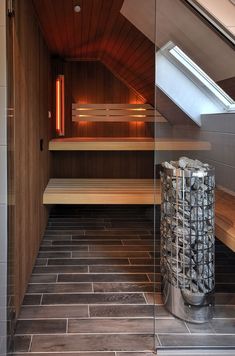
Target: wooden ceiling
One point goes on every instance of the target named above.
(100, 32)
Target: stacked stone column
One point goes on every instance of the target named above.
(187, 228)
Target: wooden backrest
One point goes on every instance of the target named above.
(114, 112)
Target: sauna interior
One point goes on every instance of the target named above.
(94, 96)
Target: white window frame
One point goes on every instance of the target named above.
(198, 76)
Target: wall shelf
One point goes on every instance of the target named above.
(126, 144)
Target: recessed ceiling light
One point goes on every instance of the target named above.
(77, 8)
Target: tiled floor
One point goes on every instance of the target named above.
(91, 291)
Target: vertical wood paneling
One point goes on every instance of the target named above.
(228, 85)
(91, 82)
(100, 32)
(32, 67)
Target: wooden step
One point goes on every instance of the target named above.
(100, 191)
(126, 144)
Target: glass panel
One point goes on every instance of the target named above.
(197, 147)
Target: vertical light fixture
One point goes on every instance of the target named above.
(60, 105)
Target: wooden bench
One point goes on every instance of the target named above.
(126, 144)
(100, 191)
(134, 191)
(225, 218)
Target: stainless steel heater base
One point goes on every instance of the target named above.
(179, 304)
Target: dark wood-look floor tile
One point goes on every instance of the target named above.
(41, 326)
(104, 237)
(110, 234)
(225, 311)
(225, 298)
(223, 326)
(110, 254)
(43, 278)
(55, 254)
(60, 269)
(87, 242)
(52, 312)
(41, 262)
(97, 353)
(102, 277)
(162, 312)
(57, 237)
(87, 261)
(197, 340)
(224, 277)
(205, 328)
(154, 277)
(118, 232)
(66, 248)
(121, 311)
(110, 326)
(121, 269)
(225, 287)
(120, 298)
(141, 261)
(149, 242)
(170, 326)
(136, 354)
(47, 343)
(21, 343)
(154, 298)
(32, 299)
(65, 232)
(118, 248)
(122, 287)
(59, 288)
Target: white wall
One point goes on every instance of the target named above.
(177, 23)
(219, 130)
(3, 180)
(223, 11)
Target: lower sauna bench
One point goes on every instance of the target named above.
(134, 191)
(101, 191)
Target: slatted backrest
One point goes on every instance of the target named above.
(115, 112)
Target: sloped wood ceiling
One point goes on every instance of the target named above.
(99, 31)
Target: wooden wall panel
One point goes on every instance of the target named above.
(91, 82)
(31, 124)
(103, 164)
(101, 32)
(228, 85)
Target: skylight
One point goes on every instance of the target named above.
(197, 75)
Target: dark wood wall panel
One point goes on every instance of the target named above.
(228, 85)
(101, 32)
(91, 82)
(31, 124)
(103, 164)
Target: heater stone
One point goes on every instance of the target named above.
(187, 238)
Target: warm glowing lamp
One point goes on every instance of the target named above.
(60, 105)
